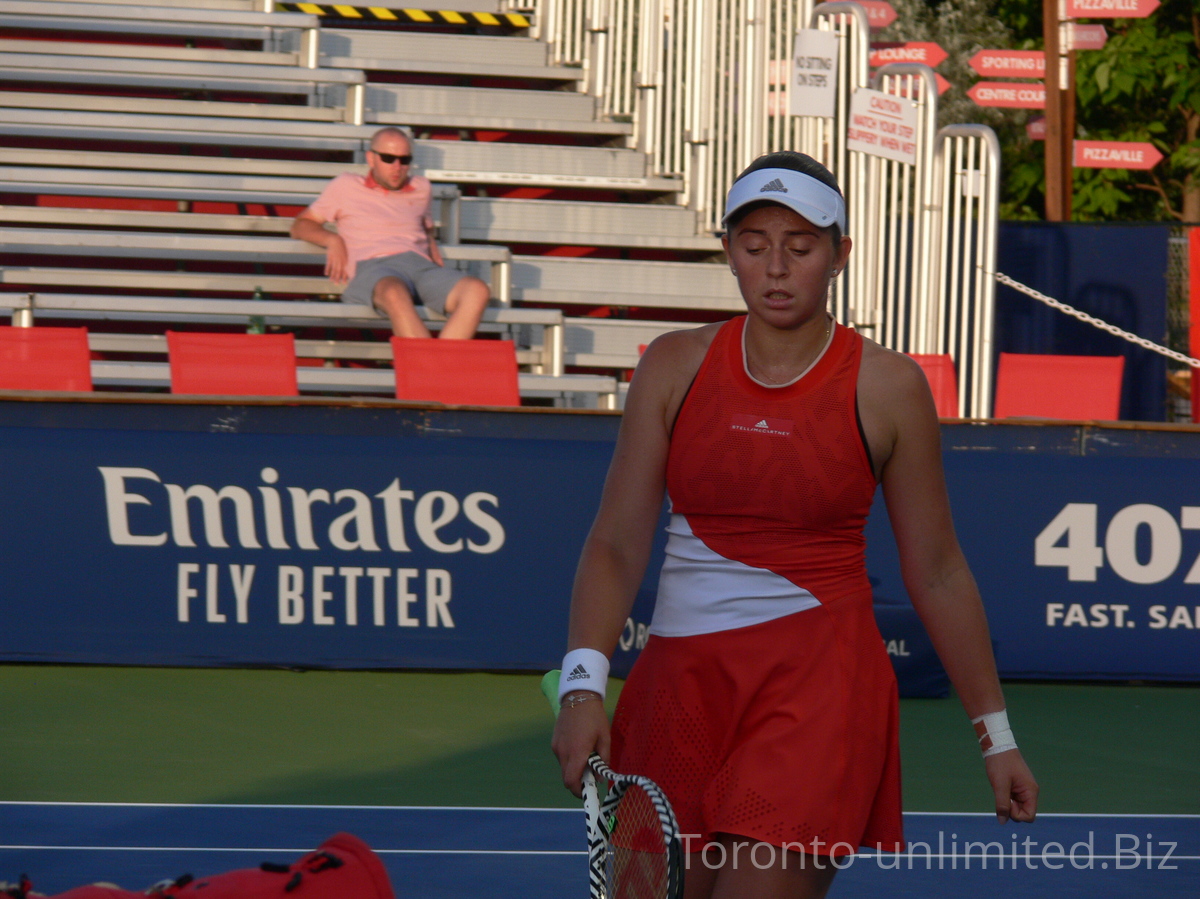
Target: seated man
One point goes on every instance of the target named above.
(384, 244)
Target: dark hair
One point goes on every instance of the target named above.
(797, 162)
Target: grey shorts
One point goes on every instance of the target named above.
(428, 282)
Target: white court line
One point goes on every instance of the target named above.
(499, 808)
(516, 852)
(921, 856)
(1056, 815)
(1019, 855)
(31, 848)
(350, 808)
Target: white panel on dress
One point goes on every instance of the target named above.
(702, 592)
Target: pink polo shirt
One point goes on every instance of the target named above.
(374, 221)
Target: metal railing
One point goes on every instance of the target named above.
(901, 215)
(707, 85)
(854, 294)
(967, 191)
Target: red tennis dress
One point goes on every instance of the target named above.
(764, 703)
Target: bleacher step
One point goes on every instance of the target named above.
(75, 104)
(408, 48)
(137, 68)
(476, 162)
(487, 108)
(176, 130)
(581, 223)
(153, 27)
(460, 6)
(114, 174)
(566, 281)
(143, 51)
(167, 11)
(240, 5)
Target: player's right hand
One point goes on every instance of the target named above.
(578, 732)
(1014, 785)
(337, 261)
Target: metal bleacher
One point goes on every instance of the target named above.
(208, 124)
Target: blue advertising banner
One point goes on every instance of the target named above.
(308, 536)
(1085, 542)
(372, 535)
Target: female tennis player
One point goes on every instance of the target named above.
(764, 703)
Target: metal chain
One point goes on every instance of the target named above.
(1096, 322)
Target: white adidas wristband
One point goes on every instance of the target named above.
(583, 669)
(994, 733)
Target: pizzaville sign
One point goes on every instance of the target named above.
(1114, 154)
(1111, 9)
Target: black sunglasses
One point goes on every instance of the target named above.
(389, 158)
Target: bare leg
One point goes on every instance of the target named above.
(391, 297)
(746, 868)
(698, 878)
(465, 305)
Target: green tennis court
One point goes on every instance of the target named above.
(413, 738)
(150, 772)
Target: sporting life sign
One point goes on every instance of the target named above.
(1009, 63)
(883, 125)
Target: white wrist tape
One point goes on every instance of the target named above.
(583, 669)
(994, 733)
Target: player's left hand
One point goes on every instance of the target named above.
(1013, 784)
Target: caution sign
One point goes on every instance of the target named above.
(509, 20)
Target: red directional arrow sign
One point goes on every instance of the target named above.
(1086, 37)
(1013, 95)
(1009, 63)
(926, 52)
(901, 89)
(1115, 154)
(1111, 9)
(881, 14)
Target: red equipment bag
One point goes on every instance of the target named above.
(343, 867)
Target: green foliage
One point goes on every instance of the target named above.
(1144, 85)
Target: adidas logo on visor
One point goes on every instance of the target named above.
(762, 424)
(775, 185)
(579, 673)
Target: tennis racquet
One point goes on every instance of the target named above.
(632, 835)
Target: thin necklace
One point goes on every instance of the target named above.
(773, 381)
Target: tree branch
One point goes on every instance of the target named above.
(1158, 188)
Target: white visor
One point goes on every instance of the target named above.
(803, 194)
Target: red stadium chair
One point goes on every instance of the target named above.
(943, 381)
(233, 364)
(1086, 388)
(45, 359)
(459, 372)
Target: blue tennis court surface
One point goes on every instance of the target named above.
(455, 853)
